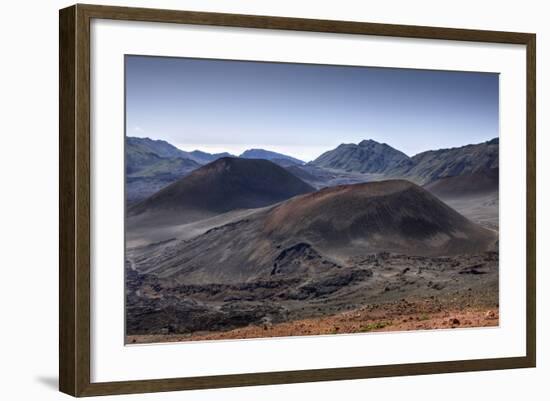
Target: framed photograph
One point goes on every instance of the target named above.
(250, 200)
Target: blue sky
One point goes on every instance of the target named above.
(304, 109)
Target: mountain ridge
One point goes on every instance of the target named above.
(368, 156)
(431, 165)
(163, 148)
(151, 165)
(255, 153)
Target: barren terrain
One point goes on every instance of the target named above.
(398, 316)
(378, 256)
(380, 288)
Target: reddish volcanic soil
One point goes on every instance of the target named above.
(398, 316)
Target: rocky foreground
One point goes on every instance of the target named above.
(398, 316)
(381, 292)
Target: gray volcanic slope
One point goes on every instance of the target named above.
(473, 195)
(223, 185)
(479, 183)
(366, 157)
(313, 232)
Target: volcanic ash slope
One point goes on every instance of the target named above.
(313, 234)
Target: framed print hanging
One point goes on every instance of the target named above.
(250, 200)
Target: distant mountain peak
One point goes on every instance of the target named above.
(256, 153)
(146, 139)
(368, 156)
(367, 142)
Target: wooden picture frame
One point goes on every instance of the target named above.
(74, 203)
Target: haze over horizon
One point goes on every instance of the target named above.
(220, 149)
(303, 110)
